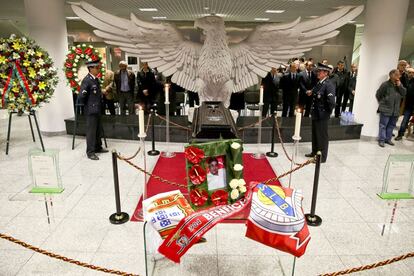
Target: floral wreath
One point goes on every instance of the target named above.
(27, 75)
(76, 54)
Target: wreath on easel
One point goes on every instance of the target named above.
(27, 75)
(76, 55)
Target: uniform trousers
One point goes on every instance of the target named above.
(320, 138)
(93, 133)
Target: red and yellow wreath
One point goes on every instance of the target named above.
(78, 54)
(27, 75)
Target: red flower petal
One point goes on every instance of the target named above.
(194, 155)
(219, 197)
(88, 51)
(197, 175)
(198, 197)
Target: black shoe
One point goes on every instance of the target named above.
(102, 150)
(310, 155)
(381, 144)
(93, 156)
(398, 138)
(389, 143)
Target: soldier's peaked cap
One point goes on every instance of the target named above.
(323, 67)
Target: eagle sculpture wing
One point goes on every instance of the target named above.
(271, 45)
(161, 45)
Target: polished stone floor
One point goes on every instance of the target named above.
(356, 227)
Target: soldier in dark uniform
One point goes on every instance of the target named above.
(322, 105)
(91, 96)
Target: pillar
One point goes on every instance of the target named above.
(380, 50)
(47, 26)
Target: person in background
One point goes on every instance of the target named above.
(389, 97)
(402, 68)
(91, 96)
(342, 95)
(352, 85)
(325, 61)
(125, 86)
(322, 105)
(409, 104)
(270, 88)
(290, 86)
(307, 81)
(108, 93)
(146, 86)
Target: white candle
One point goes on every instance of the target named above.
(261, 95)
(167, 93)
(141, 122)
(297, 123)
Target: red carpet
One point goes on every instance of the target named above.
(173, 169)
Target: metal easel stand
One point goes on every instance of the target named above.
(31, 113)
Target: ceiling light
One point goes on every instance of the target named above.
(148, 9)
(351, 21)
(275, 11)
(261, 19)
(73, 18)
(159, 17)
(206, 8)
(312, 16)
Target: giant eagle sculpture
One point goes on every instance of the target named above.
(215, 69)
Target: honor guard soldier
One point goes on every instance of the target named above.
(323, 102)
(91, 96)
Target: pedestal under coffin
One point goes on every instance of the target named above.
(213, 121)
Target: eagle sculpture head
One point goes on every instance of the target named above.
(210, 23)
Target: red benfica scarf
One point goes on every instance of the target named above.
(193, 227)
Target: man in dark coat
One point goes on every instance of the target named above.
(352, 85)
(147, 91)
(409, 104)
(91, 96)
(125, 86)
(323, 103)
(389, 97)
(307, 81)
(290, 86)
(270, 88)
(342, 95)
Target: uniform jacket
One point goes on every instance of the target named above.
(270, 87)
(323, 99)
(389, 98)
(90, 95)
(131, 81)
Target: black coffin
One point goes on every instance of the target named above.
(213, 121)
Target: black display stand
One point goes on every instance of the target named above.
(312, 219)
(272, 152)
(75, 126)
(31, 113)
(153, 151)
(119, 217)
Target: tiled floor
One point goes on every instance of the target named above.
(353, 215)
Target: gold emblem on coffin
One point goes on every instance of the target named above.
(270, 217)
